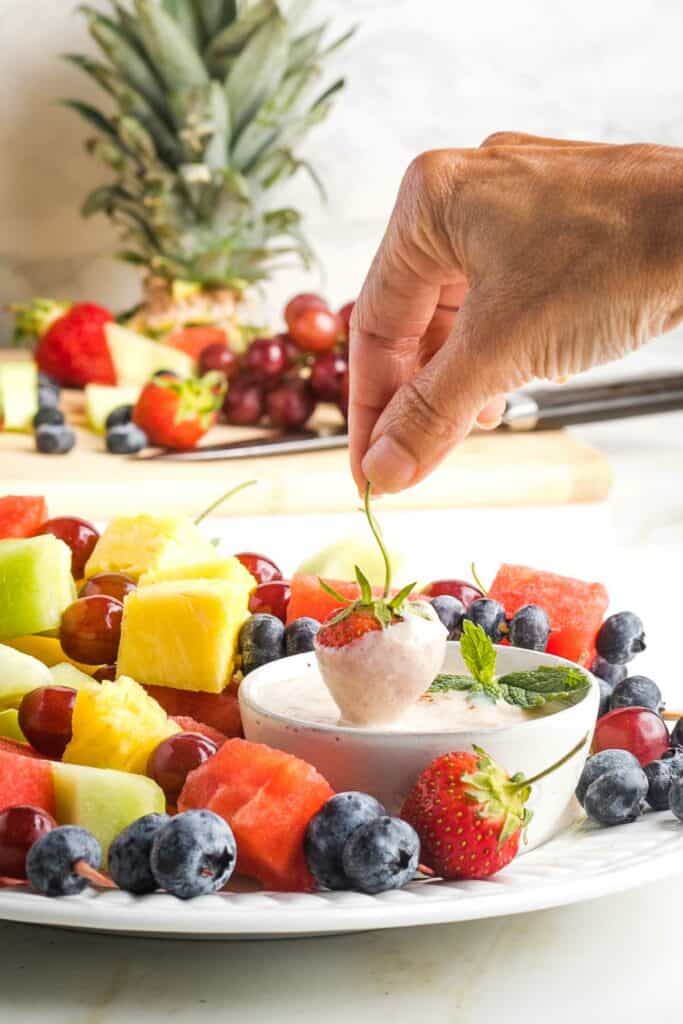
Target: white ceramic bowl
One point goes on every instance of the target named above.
(386, 763)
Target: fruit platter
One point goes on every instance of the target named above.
(192, 744)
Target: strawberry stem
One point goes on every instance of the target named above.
(377, 533)
(547, 771)
(223, 497)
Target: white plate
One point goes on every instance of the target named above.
(583, 863)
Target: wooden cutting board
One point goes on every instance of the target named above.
(488, 469)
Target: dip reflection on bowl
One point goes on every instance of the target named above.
(286, 705)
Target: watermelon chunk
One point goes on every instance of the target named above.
(25, 778)
(220, 711)
(268, 798)
(309, 598)
(576, 609)
(188, 724)
(21, 515)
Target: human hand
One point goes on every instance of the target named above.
(527, 258)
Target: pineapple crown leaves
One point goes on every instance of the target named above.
(385, 608)
(198, 94)
(499, 795)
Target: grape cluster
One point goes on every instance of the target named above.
(280, 379)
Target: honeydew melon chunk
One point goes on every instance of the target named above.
(18, 395)
(9, 726)
(103, 800)
(36, 585)
(101, 399)
(337, 561)
(137, 358)
(19, 674)
(66, 674)
(46, 649)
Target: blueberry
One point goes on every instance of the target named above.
(126, 439)
(50, 861)
(328, 831)
(488, 614)
(193, 854)
(617, 795)
(119, 416)
(675, 796)
(48, 414)
(450, 610)
(598, 764)
(612, 674)
(530, 628)
(48, 382)
(620, 638)
(48, 398)
(637, 692)
(55, 439)
(605, 697)
(677, 734)
(381, 855)
(660, 774)
(130, 852)
(262, 639)
(300, 635)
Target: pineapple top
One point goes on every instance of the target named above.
(207, 103)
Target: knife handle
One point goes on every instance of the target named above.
(551, 408)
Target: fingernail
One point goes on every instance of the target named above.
(388, 466)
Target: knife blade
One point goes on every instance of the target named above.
(547, 408)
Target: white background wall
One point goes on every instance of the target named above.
(422, 73)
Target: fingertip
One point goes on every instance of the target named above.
(388, 466)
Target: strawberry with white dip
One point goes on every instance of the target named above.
(378, 655)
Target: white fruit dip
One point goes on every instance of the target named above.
(375, 679)
(306, 698)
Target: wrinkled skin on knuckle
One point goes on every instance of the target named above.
(429, 202)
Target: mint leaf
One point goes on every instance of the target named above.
(445, 683)
(478, 654)
(539, 686)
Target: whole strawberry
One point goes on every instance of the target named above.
(70, 340)
(470, 814)
(177, 413)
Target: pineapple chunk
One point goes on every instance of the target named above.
(117, 726)
(183, 633)
(230, 569)
(139, 544)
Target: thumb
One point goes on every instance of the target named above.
(437, 408)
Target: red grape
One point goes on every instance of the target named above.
(91, 629)
(266, 359)
(20, 827)
(462, 589)
(316, 330)
(638, 730)
(243, 403)
(45, 719)
(345, 317)
(271, 598)
(111, 584)
(105, 673)
(261, 568)
(292, 350)
(300, 303)
(170, 763)
(290, 404)
(80, 535)
(327, 376)
(219, 357)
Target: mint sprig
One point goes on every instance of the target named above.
(530, 689)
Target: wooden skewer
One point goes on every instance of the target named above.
(671, 716)
(94, 876)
